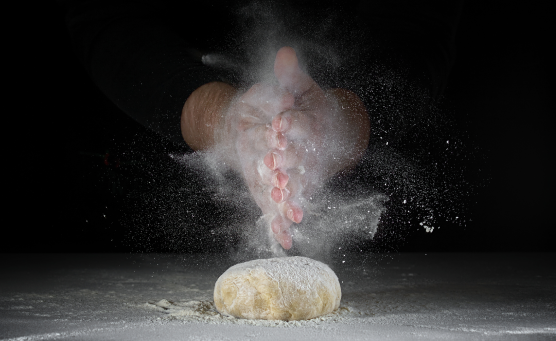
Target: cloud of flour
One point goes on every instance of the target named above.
(407, 178)
(330, 217)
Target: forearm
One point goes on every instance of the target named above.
(417, 37)
(204, 123)
(352, 128)
(203, 114)
(137, 60)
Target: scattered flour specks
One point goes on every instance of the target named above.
(205, 311)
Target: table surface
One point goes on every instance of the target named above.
(444, 296)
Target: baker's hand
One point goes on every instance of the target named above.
(262, 151)
(291, 137)
(285, 138)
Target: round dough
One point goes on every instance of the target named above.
(288, 288)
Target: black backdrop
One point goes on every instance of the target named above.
(73, 159)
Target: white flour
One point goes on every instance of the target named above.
(204, 311)
(300, 270)
(292, 275)
(411, 297)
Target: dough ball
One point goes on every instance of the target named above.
(288, 288)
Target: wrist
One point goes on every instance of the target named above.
(354, 127)
(203, 114)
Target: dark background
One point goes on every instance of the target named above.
(75, 163)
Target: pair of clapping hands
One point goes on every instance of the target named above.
(285, 137)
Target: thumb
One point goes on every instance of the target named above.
(288, 73)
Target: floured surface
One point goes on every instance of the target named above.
(399, 297)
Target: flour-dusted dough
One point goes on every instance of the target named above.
(288, 288)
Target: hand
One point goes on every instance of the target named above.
(291, 136)
(285, 138)
(262, 154)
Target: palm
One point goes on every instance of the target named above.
(283, 142)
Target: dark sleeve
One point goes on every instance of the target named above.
(405, 50)
(383, 42)
(137, 60)
(415, 35)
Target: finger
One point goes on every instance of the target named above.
(276, 140)
(258, 136)
(246, 116)
(285, 239)
(288, 73)
(282, 101)
(255, 93)
(258, 178)
(281, 229)
(254, 138)
(273, 160)
(281, 122)
(270, 100)
(297, 124)
(293, 212)
(279, 195)
(279, 225)
(293, 156)
(280, 180)
(295, 185)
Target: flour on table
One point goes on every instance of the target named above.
(204, 311)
